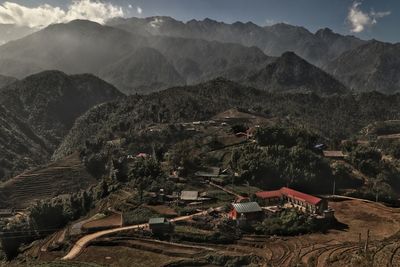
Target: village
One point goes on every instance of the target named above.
(191, 214)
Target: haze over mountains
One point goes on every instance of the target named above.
(155, 53)
(147, 55)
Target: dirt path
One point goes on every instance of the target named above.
(85, 241)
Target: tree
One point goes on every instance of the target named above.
(144, 172)
(183, 155)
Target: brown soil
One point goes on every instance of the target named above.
(111, 221)
(163, 210)
(123, 256)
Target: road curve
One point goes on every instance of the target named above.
(85, 241)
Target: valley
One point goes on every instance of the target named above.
(190, 141)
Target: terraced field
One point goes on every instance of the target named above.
(64, 176)
(337, 248)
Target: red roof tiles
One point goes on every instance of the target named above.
(269, 194)
(284, 191)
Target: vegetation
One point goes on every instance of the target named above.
(284, 159)
(290, 222)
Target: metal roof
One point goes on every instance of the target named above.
(247, 207)
(189, 195)
(159, 220)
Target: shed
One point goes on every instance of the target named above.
(247, 210)
(160, 225)
(189, 195)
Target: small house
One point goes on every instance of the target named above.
(246, 210)
(5, 213)
(212, 173)
(193, 197)
(189, 195)
(160, 226)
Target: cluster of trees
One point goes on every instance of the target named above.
(284, 158)
(290, 222)
(383, 175)
(146, 174)
(286, 136)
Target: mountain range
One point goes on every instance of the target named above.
(159, 52)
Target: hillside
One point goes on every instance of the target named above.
(65, 176)
(76, 47)
(132, 63)
(38, 111)
(370, 67)
(143, 71)
(290, 73)
(6, 80)
(9, 32)
(335, 117)
(273, 40)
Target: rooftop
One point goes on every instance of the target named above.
(247, 207)
(285, 191)
(189, 195)
(159, 220)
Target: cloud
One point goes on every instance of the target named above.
(270, 22)
(139, 10)
(43, 15)
(359, 19)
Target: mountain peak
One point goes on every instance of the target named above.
(324, 31)
(291, 73)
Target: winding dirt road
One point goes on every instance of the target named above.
(85, 241)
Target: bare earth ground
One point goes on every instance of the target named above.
(124, 256)
(335, 248)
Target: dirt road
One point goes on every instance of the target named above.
(85, 241)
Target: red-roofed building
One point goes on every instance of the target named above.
(297, 199)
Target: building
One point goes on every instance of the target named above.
(212, 173)
(189, 195)
(193, 197)
(248, 211)
(160, 226)
(5, 213)
(305, 202)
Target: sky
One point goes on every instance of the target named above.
(367, 19)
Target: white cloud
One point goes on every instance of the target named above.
(270, 22)
(130, 6)
(139, 10)
(359, 19)
(43, 15)
(156, 23)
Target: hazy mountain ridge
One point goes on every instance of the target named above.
(6, 80)
(373, 66)
(38, 111)
(88, 47)
(290, 73)
(10, 32)
(274, 40)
